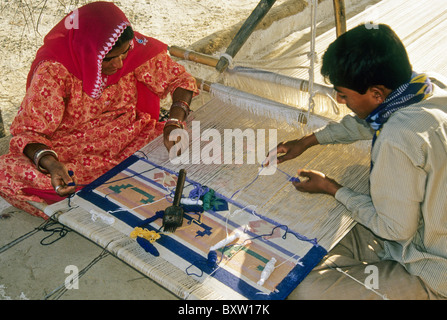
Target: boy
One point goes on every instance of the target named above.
(402, 228)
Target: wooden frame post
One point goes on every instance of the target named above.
(2, 126)
(244, 32)
(340, 17)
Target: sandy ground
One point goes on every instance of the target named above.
(23, 24)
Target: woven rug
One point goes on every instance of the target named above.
(135, 193)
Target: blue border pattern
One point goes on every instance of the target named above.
(287, 285)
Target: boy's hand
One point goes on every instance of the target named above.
(289, 150)
(316, 182)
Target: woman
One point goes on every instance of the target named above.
(92, 100)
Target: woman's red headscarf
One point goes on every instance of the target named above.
(83, 38)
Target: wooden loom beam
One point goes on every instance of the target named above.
(244, 32)
(198, 58)
(340, 17)
(211, 61)
(193, 56)
(204, 85)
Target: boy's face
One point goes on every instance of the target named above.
(362, 104)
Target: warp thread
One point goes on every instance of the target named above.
(212, 258)
(289, 178)
(213, 261)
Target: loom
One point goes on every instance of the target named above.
(256, 96)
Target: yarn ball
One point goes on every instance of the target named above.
(148, 246)
(212, 259)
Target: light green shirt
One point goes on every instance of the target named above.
(407, 204)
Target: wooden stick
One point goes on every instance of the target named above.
(204, 85)
(198, 58)
(340, 17)
(244, 32)
(2, 127)
(193, 56)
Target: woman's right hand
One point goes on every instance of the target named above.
(63, 183)
(175, 140)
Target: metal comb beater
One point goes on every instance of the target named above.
(173, 215)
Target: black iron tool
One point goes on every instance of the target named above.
(173, 215)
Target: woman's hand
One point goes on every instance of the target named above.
(175, 140)
(177, 115)
(166, 134)
(62, 182)
(316, 182)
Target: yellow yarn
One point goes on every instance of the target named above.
(150, 235)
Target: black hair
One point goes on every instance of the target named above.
(127, 35)
(365, 56)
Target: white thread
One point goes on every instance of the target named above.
(106, 219)
(268, 269)
(237, 212)
(186, 54)
(236, 235)
(142, 205)
(189, 201)
(228, 57)
(312, 55)
(384, 297)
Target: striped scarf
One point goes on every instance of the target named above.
(419, 88)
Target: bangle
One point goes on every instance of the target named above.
(175, 122)
(40, 154)
(183, 105)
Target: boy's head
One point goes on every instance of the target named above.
(365, 65)
(364, 57)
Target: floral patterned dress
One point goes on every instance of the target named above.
(90, 136)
